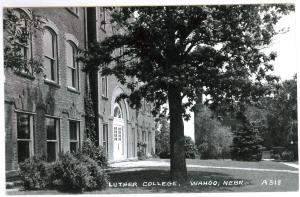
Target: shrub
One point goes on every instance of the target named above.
(99, 177)
(94, 152)
(141, 153)
(78, 173)
(288, 155)
(164, 154)
(191, 150)
(35, 173)
(276, 156)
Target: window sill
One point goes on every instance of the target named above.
(22, 74)
(52, 83)
(73, 90)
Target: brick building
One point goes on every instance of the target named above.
(121, 127)
(44, 113)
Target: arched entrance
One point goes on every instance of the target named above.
(118, 133)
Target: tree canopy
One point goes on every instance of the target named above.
(166, 53)
(212, 49)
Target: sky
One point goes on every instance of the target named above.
(284, 65)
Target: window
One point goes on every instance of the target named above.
(133, 142)
(52, 129)
(104, 86)
(50, 54)
(102, 18)
(74, 136)
(23, 39)
(105, 138)
(117, 111)
(149, 143)
(144, 136)
(72, 66)
(24, 136)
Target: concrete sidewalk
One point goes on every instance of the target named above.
(139, 165)
(291, 164)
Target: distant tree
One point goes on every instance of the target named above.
(246, 144)
(162, 136)
(212, 137)
(282, 116)
(168, 53)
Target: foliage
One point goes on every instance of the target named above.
(78, 173)
(34, 173)
(18, 29)
(176, 46)
(141, 152)
(94, 152)
(212, 138)
(282, 120)
(246, 141)
(162, 136)
(90, 127)
(191, 150)
(288, 155)
(178, 51)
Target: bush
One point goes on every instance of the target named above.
(96, 153)
(164, 155)
(191, 150)
(288, 155)
(78, 173)
(35, 173)
(276, 156)
(141, 152)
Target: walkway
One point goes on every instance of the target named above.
(291, 164)
(143, 164)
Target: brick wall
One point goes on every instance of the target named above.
(34, 95)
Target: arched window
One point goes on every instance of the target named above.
(50, 54)
(118, 111)
(72, 65)
(25, 45)
(22, 38)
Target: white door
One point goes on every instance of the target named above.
(118, 142)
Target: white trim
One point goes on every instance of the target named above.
(117, 92)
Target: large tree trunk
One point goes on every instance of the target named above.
(178, 163)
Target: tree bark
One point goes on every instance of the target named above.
(178, 163)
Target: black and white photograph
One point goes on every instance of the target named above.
(149, 99)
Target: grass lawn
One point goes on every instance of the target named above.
(249, 181)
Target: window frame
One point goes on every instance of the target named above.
(57, 132)
(103, 18)
(27, 52)
(74, 68)
(77, 123)
(54, 70)
(105, 137)
(117, 106)
(31, 134)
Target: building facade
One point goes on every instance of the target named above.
(121, 128)
(45, 114)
